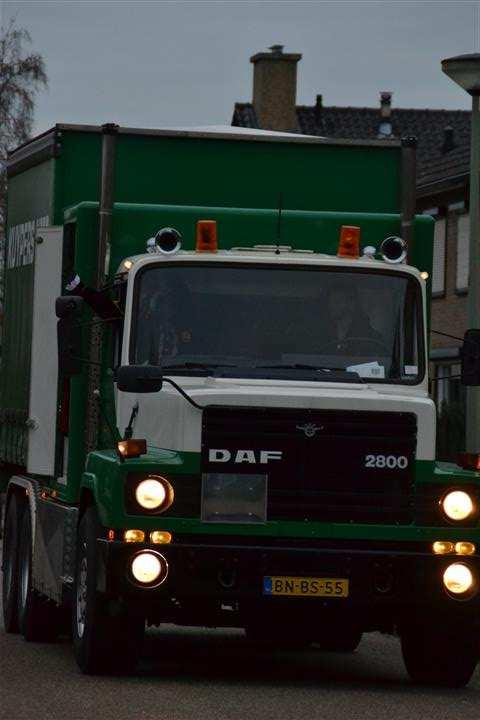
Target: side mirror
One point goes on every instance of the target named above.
(68, 309)
(69, 337)
(139, 378)
(470, 355)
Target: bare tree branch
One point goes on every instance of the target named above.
(22, 75)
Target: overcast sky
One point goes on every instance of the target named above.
(153, 64)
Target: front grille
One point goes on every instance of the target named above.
(326, 471)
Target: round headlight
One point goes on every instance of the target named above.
(458, 579)
(458, 505)
(149, 568)
(154, 493)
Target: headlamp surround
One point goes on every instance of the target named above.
(148, 494)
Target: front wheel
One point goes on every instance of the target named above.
(106, 639)
(443, 657)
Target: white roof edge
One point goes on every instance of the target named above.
(284, 258)
(234, 130)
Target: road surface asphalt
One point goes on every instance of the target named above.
(188, 674)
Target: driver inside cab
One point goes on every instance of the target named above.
(347, 327)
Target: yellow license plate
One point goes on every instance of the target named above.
(305, 586)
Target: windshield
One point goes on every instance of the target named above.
(231, 319)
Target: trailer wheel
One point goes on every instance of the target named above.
(38, 616)
(10, 564)
(103, 641)
(443, 657)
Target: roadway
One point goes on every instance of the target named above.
(188, 674)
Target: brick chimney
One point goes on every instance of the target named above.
(448, 139)
(385, 125)
(275, 89)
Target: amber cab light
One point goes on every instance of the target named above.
(206, 240)
(132, 448)
(443, 547)
(160, 537)
(465, 548)
(349, 245)
(469, 461)
(134, 536)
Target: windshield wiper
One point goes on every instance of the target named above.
(195, 366)
(327, 371)
(290, 366)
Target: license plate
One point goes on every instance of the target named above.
(305, 586)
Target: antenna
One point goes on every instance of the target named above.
(279, 224)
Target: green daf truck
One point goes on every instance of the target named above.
(214, 399)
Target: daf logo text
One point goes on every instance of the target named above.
(261, 457)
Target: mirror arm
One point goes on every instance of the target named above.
(86, 361)
(184, 394)
(115, 435)
(445, 377)
(453, 337)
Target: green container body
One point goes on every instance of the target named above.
(177, 178)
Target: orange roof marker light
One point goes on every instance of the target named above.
(349, 245)
(206, 236)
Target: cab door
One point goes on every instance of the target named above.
(42, 417)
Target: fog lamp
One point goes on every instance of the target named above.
(458, 505)
(154, 493)
(149, 568)
(458, 579)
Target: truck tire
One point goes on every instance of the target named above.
(443, 657)
(103, 641)
(10, 564)
(38, 617)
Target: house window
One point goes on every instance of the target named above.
(463, 252)
(438, 279)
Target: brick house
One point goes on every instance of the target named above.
(443, 160)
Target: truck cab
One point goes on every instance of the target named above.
(242, 431)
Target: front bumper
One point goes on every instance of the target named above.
(392, 580)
